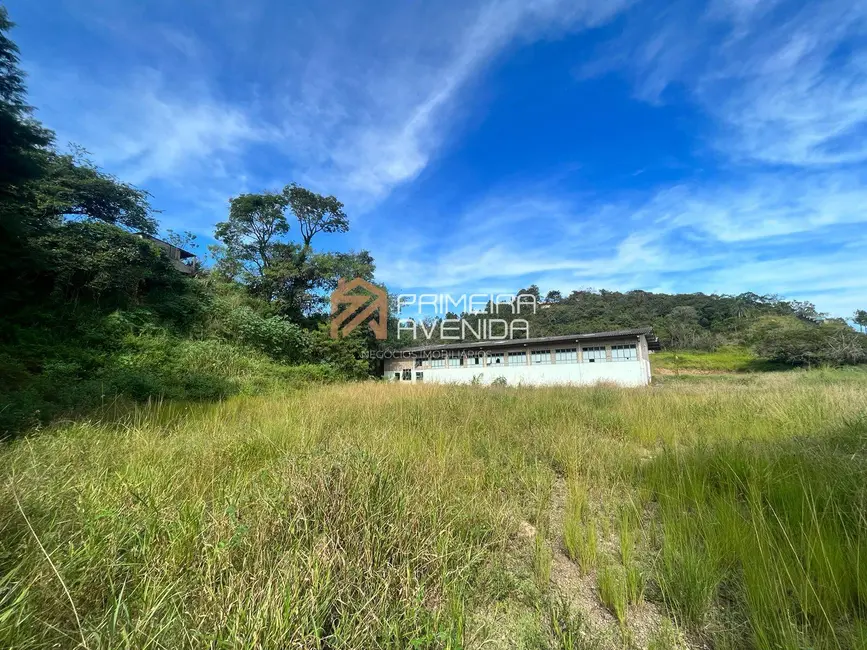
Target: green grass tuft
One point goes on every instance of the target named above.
(613, 591)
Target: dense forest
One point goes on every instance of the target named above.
(93, 313)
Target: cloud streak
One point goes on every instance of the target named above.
(350, 100)
(142, 130)
(788, 234)
(786, 81)
(383, 124)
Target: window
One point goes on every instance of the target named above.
(418, 363)
(495, 359)
(407, 374)
(455, 362)
(397, 376)
(566, 355)
(474, 361)
(517, 358)
(593, 355)
(623, 352)
(437, 363)
(541, 356)
(419, 376)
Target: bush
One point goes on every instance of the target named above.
(801, 343)
(65, 381)
(273, 335)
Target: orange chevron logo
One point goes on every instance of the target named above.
(350, 317)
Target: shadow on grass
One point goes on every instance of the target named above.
(46, 398)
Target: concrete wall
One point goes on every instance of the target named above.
(624, 373)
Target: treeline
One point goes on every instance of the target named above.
(787, 331)
(93, 310)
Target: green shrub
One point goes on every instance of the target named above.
(273, 335)
(142, 367)
(802, 343)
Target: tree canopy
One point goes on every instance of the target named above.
(291, 275)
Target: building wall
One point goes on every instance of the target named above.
(625, 373)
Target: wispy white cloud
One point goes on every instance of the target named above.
(768, 205)
(140, 129)
(379, 125)
(352, 100)
(779, 234)
(786, 81)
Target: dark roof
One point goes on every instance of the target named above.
(157, 240)
(652, 341)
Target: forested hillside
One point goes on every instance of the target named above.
(92, 312)
(790, 332)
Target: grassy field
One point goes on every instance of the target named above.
(693, 514)
(726, 359)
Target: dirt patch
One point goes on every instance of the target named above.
(526, 530)
(642, 620)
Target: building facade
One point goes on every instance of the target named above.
(176, 255)
(620, 357)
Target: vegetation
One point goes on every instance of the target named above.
(92, 312)
(723, 359)
(216, 482)
(376, 515)
(761, 330)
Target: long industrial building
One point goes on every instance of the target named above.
(620, 357)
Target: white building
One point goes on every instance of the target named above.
(620, 357)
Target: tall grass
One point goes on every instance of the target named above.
(579, 529)
(371, 515)
(780, 525)
(613, 591)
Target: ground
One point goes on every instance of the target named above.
(713, 511)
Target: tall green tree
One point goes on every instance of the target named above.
(21, 136)
(315, 213)
(291, 275)
(23, 142)
(72, 186)
(255, 224)
(860, 318)
(553, 296)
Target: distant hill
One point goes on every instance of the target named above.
(774, 328)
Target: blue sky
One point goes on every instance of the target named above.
(482, 145)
